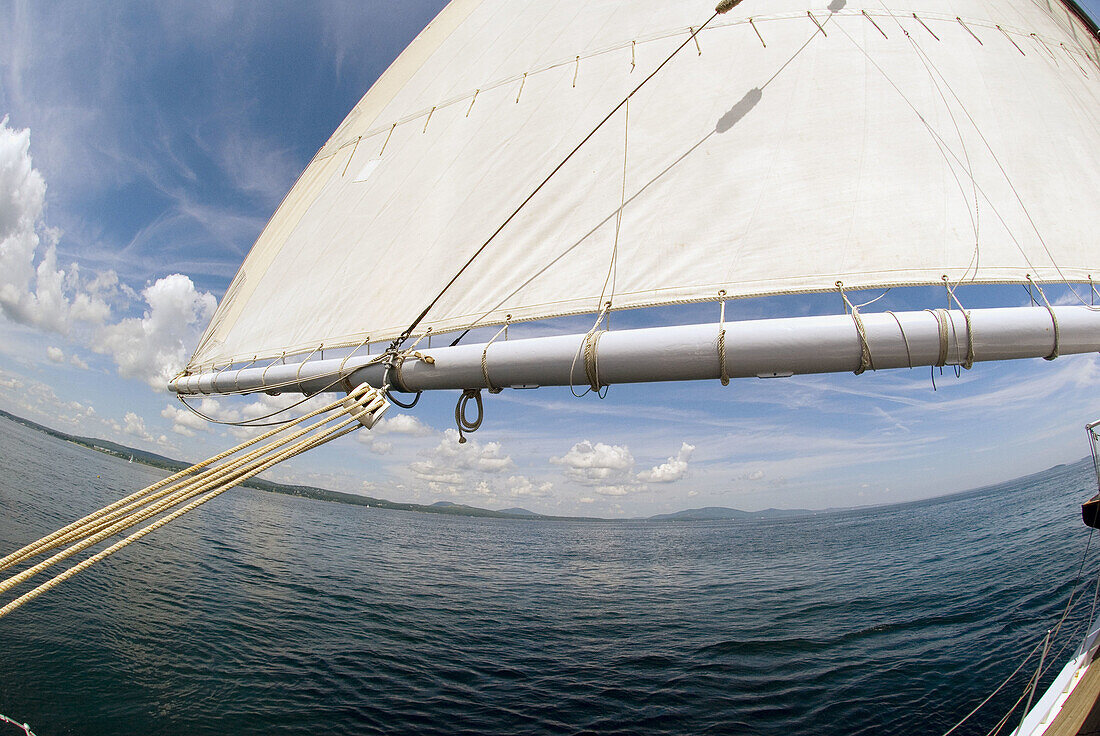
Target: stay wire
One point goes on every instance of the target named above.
(1054, 633)
(416, 322)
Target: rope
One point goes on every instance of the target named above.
(44, 543)
(865, 361)
(722, 8)
(968, 362)
(485, 358)
(904, 339)
(587, 348)
(361, 408)
(464, 424)
(591, 360)
(26, 729)
(1049, 636)
(941, 322)
(724, 374)
(203, 481)
(1053, 318)
(394, 361)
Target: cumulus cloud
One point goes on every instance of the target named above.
(671, 470)
(55, 354)
(442, 463)
(186, 422)
(154, 347)
(43, 295)
(596, 464)
(35, 291)
(472, 469)
(402, 424)
(520, 486)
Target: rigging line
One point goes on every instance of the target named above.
(1011, 185)
(22, 726)
(613, 267)
(975, 219)
(408, 331)
(30, 549)
(868, 303)
(255, 422)
(336, 432)
(936, 136)
(1008, 679)
(176, 482)
(1092, 611)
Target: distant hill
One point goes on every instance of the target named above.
(721, 513)
(439, 507)
(517, 511)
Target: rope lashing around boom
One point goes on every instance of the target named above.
(723, 367)
(1053, 318)
(187, 490)
(865, 361)
(968, 362)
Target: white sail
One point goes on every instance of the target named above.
(793, 146)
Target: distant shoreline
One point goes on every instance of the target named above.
(711, 513)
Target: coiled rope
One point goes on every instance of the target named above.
(186, 490)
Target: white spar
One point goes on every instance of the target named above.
(762, 348)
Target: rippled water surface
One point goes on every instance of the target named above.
(264, 613)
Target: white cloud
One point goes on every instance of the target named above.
(152, 348)
(449, 456)
(593, 464)
(56, 355)
(402, 424)
(671, 470)
(134, 425)
(155, 347)
(184, 421)
(78, 362)
(520, 486)
(42, 295)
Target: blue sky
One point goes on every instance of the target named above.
(146, 144)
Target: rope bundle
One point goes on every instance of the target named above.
(186, 490)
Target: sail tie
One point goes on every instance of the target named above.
(485, 357)
(1053, 318)
(942, 326)
(968, 362)
(187, 490)
(724, 374)
(591, 359)
(865, 360)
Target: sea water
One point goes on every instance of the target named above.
(273, 614)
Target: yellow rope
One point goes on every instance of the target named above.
(80, 567)
(206, 475)
(101, 525)
(46, 542)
